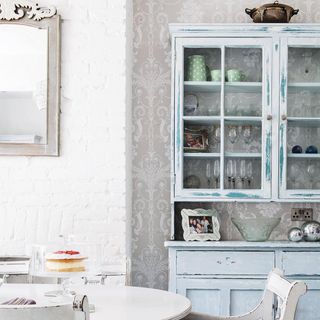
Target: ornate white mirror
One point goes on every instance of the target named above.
(29, 79)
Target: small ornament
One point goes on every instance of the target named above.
(312, 149)
(296, 149)
(311, 231)
(295, 235)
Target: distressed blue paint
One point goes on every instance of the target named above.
(191, 266)
(178, 134)
(310, 195)
(242, 195)
(268, 89)
(229, 195)
(268, 157)
(300, 30)
(281, 153)
(259, 29)
(283, 86)
(206, 194)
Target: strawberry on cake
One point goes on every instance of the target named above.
(65, 261)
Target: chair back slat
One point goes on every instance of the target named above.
(288, 292)
(278, 285)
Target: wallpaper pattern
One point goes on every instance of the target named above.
(151, 128)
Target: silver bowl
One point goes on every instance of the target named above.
(255, 229)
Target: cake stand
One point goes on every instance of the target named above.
(65, 280)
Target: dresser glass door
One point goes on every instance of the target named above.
(300, 120)
(223, 137)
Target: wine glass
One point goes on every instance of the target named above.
(247, 134)
(294, 173)
(216, 172)
(208, 173)
(312, 172)
(217, 136)
(249, 174)
(229, 173)
(234, 173)
(242, 173)
(232, 134)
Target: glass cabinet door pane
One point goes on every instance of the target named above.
(201, 118)
(303, 121)
(243, 123)
(202, 70)
(243, 104)
(201, 173)
(242, 137)
(303, 165)
(243, 173)
(243, 64)
(304, 82)
(221, 89)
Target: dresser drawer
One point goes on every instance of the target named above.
(224, 262)
(301, 263)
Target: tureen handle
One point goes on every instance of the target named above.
(291, 13)
(248, 11)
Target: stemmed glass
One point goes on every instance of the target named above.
(217, 136)
(242, 173)
(312, 173)
(216, 172)
(208, 173)
(232, 134)
(294, 173)
(249, 174)
(231, 171)
(247, 134)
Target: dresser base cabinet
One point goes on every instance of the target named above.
(228, 278)
(221, 296)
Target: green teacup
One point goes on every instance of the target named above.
(196, 68)
(215, 75)
(235, 75)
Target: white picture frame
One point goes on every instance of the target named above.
(207, 225)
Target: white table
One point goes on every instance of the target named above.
(119, 303)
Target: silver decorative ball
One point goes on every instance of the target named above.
(311, 231)
(295, 234)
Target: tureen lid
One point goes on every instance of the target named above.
(275, 4)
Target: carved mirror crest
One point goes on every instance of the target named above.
(29, 79)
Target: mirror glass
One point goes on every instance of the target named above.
(23, 84)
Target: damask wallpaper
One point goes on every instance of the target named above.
(151, 128)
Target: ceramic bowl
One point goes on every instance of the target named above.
(255, 229)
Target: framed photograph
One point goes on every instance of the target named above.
(200, 225)
(195, 140)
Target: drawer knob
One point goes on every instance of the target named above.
(228, 261)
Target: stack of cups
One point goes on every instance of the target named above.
(196, 70)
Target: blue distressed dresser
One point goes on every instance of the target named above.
(234, 129)
(228, 277)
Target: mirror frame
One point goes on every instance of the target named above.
(30, 14)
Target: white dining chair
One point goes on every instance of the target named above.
(279, 292)
(79, 310)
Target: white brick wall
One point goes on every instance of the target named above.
(84, 190)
